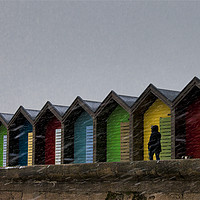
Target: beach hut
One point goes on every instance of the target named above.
(112, 128)
(187, 121)
(48, 134)
(78, 131)
(4, 120)
(20, 131)
(153, 107)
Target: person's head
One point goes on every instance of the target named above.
(154, 128)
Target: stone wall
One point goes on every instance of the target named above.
(175, 179)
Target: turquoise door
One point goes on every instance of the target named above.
(83, 139)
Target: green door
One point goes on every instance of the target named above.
(114, 134)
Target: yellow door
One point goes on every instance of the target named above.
(152, 117)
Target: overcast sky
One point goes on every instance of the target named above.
(57, 50)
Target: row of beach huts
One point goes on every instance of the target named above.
(115, 130)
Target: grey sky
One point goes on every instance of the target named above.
(57, 50)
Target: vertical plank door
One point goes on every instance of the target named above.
(193, 129)
(125, 141)
(165, 130)
(58, 146)
(30, 148)
(152, 117)
(89, 144)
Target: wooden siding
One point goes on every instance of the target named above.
(165, 130)
(58, 146)
(114, 133)
(5, 150)
(23, 143)
(152, 117)
(89, 144)
(193, 130)
(52, 125)
(82, 143)
(3, 132)
(125, 132)
(30, 148)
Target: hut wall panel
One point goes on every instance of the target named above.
(23, 143)
(152, 117)
(52, 125)
(13, 148)
(193, 130)
(58, 146)
(138, 127)
(101, 140)
(165, 130)
(68, 143)
(30, 148)
(89, 144)
(4, 150)
(3, 132)
(81, 142)
(125, 132)
(114, 133)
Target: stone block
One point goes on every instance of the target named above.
(191, 196)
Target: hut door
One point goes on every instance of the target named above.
(193, 129)
(89, 144)
(4, 150)
(165, 130)
(58, 147)
(124, 141)
(30, 148)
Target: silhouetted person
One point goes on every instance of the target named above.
(154, 145)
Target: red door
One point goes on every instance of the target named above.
(193, 130)
(50, 141)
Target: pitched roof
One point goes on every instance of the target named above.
(195, 82)
(61, 109)
(169, 94)
(152, 92)
(89, 106)
(129, 100)
(92, 104)
(29, 114)
(5, 118)
(57, 110)
(33, 113)
(124, 101)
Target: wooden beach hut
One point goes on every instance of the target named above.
(153, 107)
(4, 120)
(112, 128)
(48, 134)
(187, 121)
(20, 132)
(78, 131)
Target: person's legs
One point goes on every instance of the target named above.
(150, 155)
(157, 155)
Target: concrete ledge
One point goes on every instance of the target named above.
(131, 171)
(144, 180)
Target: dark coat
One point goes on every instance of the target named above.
(154, 141)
